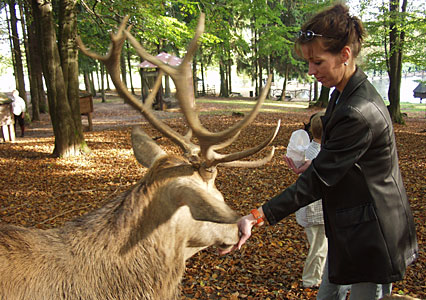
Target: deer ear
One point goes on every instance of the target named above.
(205, 207)
(145, 149)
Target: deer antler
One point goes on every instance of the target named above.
(112, 63)
(209, 141)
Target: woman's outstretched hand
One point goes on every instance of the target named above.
(245, 224)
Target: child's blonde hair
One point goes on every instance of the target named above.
(316, 125)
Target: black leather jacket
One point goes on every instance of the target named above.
(368, 221)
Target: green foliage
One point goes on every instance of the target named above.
(377, 19)
(5, 63)
(231, 27)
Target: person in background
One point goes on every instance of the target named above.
(368, 221)
(18, 109)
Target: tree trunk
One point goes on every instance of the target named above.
(226, 83)
(260, 73)
(34, 64)
(284, 89)
(123, 69)
(144, 85)
(17, 52)
(255, 61)
(223, 83)
(107, 81)
(129, 66)
(60, 68)
(202, 71)
(229, 72)
(92, 84)
(86, 79)
(97, 77)
(315, 90)
(194, 76)
(396, 41)
(324, 97)
(167, 91)
(12, 52)
(25, 39)
(103, 83)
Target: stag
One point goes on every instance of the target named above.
(135, 246)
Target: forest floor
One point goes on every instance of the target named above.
(44, 192)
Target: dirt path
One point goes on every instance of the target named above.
(115, 113)
(106, 115)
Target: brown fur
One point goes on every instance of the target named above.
(134, 247)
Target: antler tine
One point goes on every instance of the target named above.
(112, 64)
(225, 159)
(147, 56)
(193, 45)
(208, 141)
(250, 164)
(115, 47)
(157, 84)
(87, 52)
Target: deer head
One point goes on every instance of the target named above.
(196, 172)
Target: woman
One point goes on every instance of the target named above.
(368, 221)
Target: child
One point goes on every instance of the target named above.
(311, 218)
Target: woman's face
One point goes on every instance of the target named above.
(327, 67)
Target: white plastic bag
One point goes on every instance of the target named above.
(299, 142)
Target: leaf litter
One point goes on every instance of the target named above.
(43, 192)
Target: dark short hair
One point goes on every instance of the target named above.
(337, 29)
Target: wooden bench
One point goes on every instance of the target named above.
(7, 123)
(86, 108)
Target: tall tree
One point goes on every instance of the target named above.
(396, 30)
(17, 51)
(35, 70)
(396, 48)
(60, 69)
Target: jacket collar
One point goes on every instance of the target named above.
(354, 82)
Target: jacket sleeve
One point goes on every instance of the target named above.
(347, 137)
(304, 191)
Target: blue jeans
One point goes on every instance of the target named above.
(359, 291)
(331, 291)
(369, 290)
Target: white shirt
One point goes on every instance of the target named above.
(311, 214)
(312, 150)
(18, 105)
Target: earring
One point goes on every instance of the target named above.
(345, 63)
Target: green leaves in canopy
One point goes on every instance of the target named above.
(377, 18)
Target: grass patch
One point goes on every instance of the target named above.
(246, 105)
(413, 107)
(272, 106)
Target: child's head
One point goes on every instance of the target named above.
(316, 125)
(15, 93)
